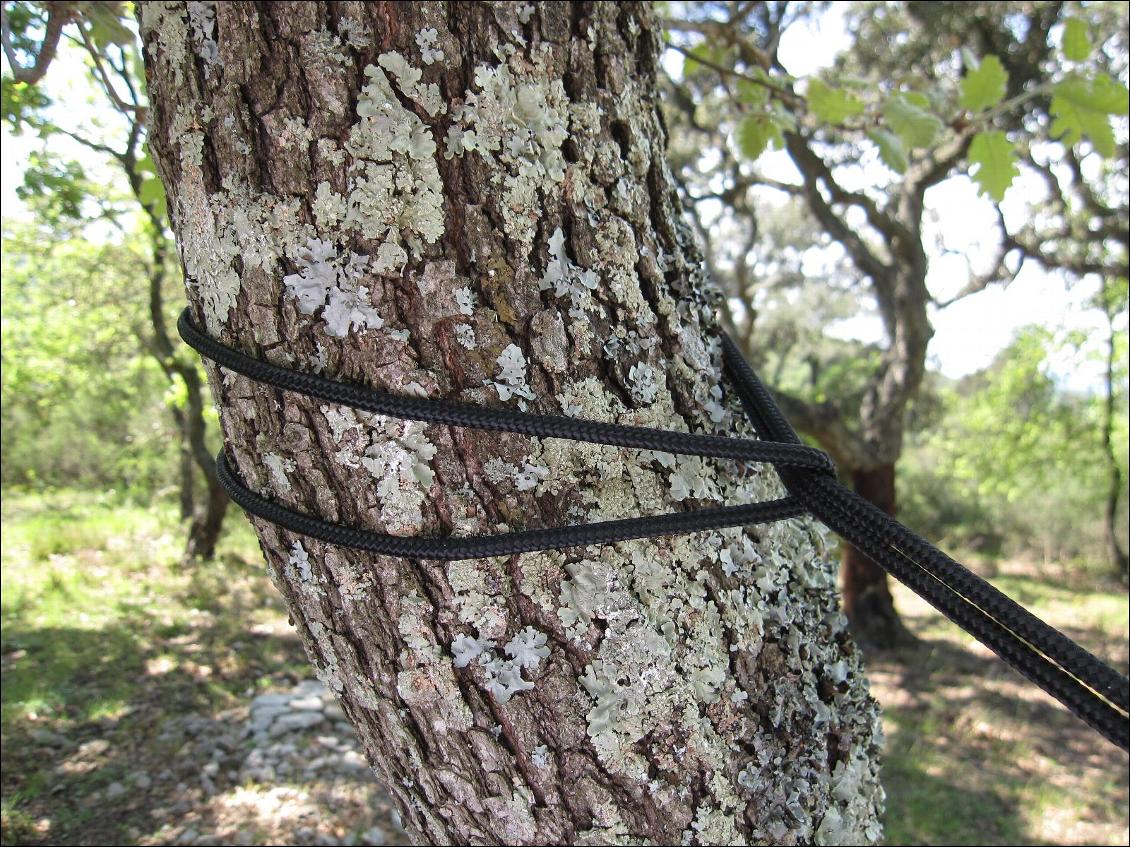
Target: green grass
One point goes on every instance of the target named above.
(975, 755)
(105, 634)
(69, 576)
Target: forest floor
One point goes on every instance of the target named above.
(142, 704)
(977, 755)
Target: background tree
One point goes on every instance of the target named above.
(471, 200)
(84, 406)
(59, 189)
(927, 92)
(1113, 297)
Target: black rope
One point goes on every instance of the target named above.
(1084, 684)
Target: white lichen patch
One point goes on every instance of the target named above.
(510, 381)
(467, 649)
(401, 463)
(628, 342)
(208, 247)
(502, 677)
(202, 21)
(464, 300)
(353, 33)
(170, 36)
(408, 81)
(498, 470)
(693, 478)
(329, 207)
(329, 150)
(465, 335)
(516, 121)
(394, 192)
(541, 574)
(480, 591)
(643, 382)
(713, 406)
(300, 561)
(331, 282)
(427, 40)
(588, 399)
(397, 453)
(530, 476)
(566, 280)
(528, 648)
(280, 468)
(327, 49)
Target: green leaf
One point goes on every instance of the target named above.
(891, 151)
(910, 121)
(984, 86)
(106, 27)
(832, 105)
(152, 191)
(993, 160)
(919, 99)
(1076, 40)
(717, 54)
(1081, 108)
(756, 133)
(751, 93)
(55, 189)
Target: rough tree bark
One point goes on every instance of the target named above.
(381, 193)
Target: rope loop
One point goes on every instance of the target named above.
(1080, 681)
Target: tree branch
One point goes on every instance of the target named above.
(998, 271)
(58, 16)
(786, 96)
(104, 78)
(814, 170)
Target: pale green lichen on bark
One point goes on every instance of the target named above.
(706, 670)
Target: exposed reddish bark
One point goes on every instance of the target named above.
(866, 591)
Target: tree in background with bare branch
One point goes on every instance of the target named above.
(32, 34)
(926, 92)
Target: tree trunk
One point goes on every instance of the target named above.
(204, 525)
(866, 591)
(187, 472)
(1119, 561)
(207, 522)
(502, 230)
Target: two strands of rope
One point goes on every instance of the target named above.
(1085, 685)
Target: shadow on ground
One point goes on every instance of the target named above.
(132, 726)
(976, 755)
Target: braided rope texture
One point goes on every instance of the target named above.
(1085, 685)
